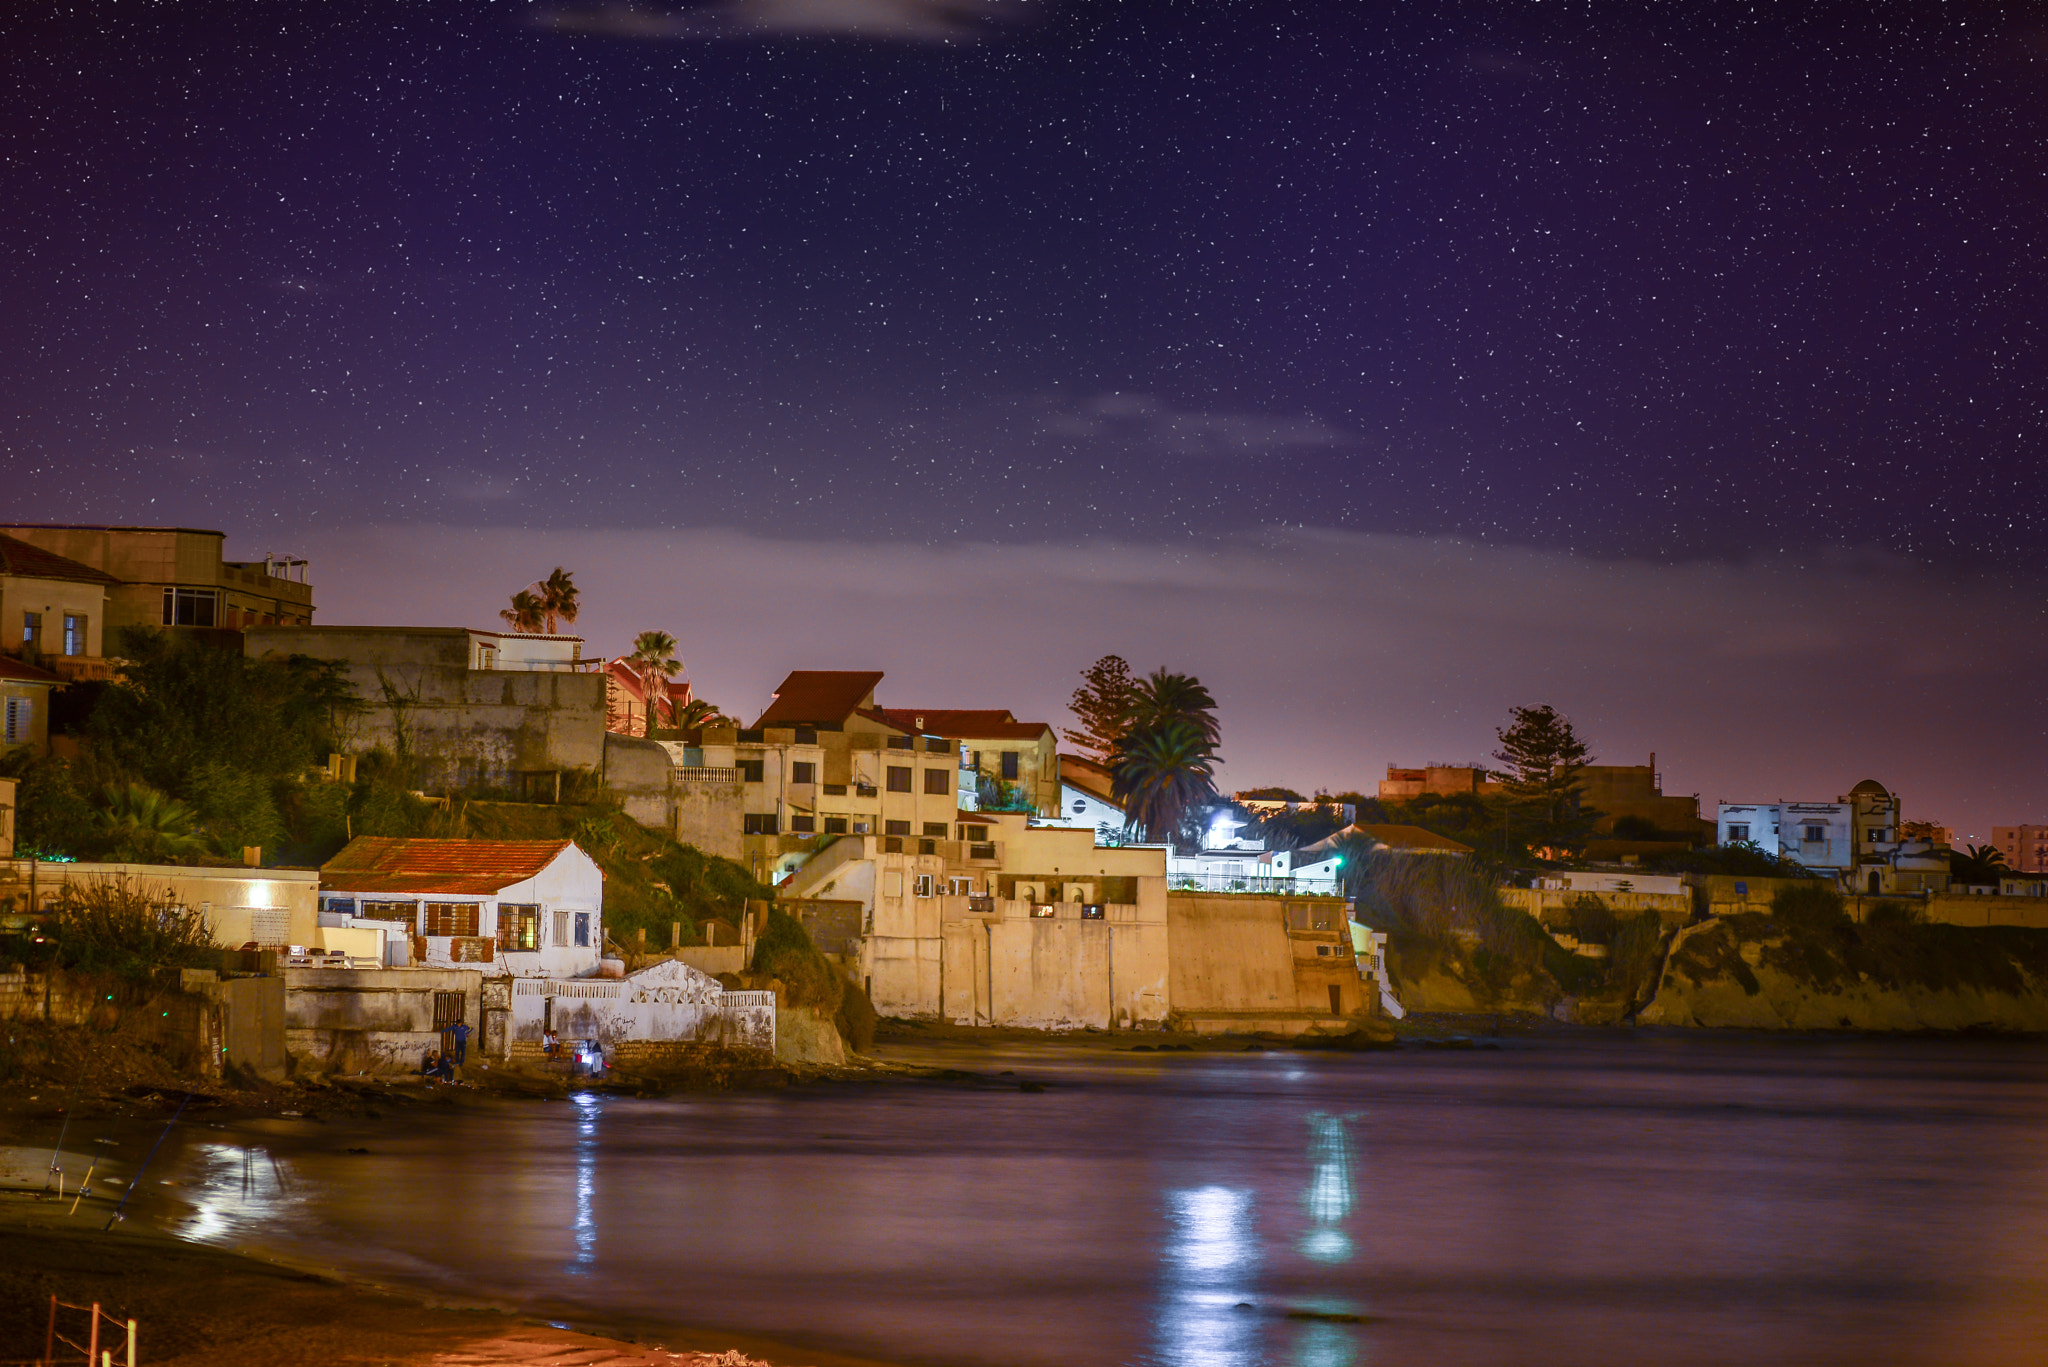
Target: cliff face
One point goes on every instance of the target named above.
(1760, 973)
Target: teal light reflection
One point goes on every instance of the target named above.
(1329, 1198)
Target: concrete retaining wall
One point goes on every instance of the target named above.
(371, 1020)
(1550, 904)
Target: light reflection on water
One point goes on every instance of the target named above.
(1712, 1199)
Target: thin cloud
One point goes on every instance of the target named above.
(1152, 422)
(903, 21)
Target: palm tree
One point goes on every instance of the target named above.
(654, 656)
(1162, 697)
(1161, 773)
(143, 826)
(697, 713)
(1978, 865)
(558, 599)
(525, 614)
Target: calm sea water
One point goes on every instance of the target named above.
(1674, 1199)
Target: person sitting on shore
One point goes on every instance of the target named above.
(431, 1064)
(446, 1070)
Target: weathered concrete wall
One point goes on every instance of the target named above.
(1955, 909)
(251, 1021)
(804, 1037)
(1236, 964)
(1057, 972)
(714, 959)
(371, 1020)
(1550, 904)
(707, 815)
(183, 1025)
(637, 772)
(466, 729)
(669, 1001)
(1720, 894)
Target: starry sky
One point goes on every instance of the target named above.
(1589, 291)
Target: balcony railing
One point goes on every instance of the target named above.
(705, 774)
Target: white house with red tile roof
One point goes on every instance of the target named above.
(509, 908)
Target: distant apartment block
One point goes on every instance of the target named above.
(2025, 847)
(176, 577)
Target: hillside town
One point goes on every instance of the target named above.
(470, 844)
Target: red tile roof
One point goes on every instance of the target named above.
(819, 695)
(33, 562)
(474, 868)
(14, 670)
(962, 723)
(1412, 839)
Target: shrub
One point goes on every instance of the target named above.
(1812, 905)
(785, 951)
(113, 925)
(1590, 920)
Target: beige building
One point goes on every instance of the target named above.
(824, 760)
(53, 610)
(1005, 764)
(176, 577)
(1003, 923)
(25, 706)
(270, 908)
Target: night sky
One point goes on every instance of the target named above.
(1741, 301)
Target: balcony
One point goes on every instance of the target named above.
(704, 774)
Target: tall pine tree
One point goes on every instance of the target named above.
(1102, 705)
(1544, 760)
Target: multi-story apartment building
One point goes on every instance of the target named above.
(1005, 764)
(2025, 847)
(176, 577)
(1858, 837)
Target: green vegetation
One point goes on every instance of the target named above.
(1977, 866)
(1435, 909)
(1737, 861)
(1101, 704)
(1545, 758)
(110, 925)
(194, 753)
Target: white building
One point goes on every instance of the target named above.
(509, 908)
(1818, 835)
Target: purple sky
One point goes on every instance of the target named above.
(1331, 654)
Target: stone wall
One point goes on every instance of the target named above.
(372, 1020)
(1549, 905)
(1245, 962)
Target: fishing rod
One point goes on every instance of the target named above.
(145, 1162)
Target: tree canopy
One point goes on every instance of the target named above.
(1101, 704)
(1544, 760)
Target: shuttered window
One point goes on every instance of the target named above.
(451, 918)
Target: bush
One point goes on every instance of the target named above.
(785, 951)
(1812, 905)
(112, 925)
(1590, 920)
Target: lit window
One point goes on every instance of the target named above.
(74, 633)
(32, 629)
(20, 718)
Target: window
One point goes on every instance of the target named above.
(938, 782)
(934, 745)
(391, 911)
(561, 935)
(959, 887)
(921, 885)
(927, 847)
(803, 771)
(448, 1010)
(20, 720)
(835, 790)
(340, 906)
(803, 825)
(899, 779)
(750, 770)
(835, 825)
(450, 918)
(896, 828)
(1815, 834)
(935, 829)
(518, 926)
(1041, 911)
(74, 633)
(974, 832)
(1010, 764)
(190, 607)
(1091, 911)
(891, 845)
(759, 823)
(583, 930)
(1737, 834)
(902, 742)
(981, 851)
(32, 629)
(1879, 833)
(863, 827)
